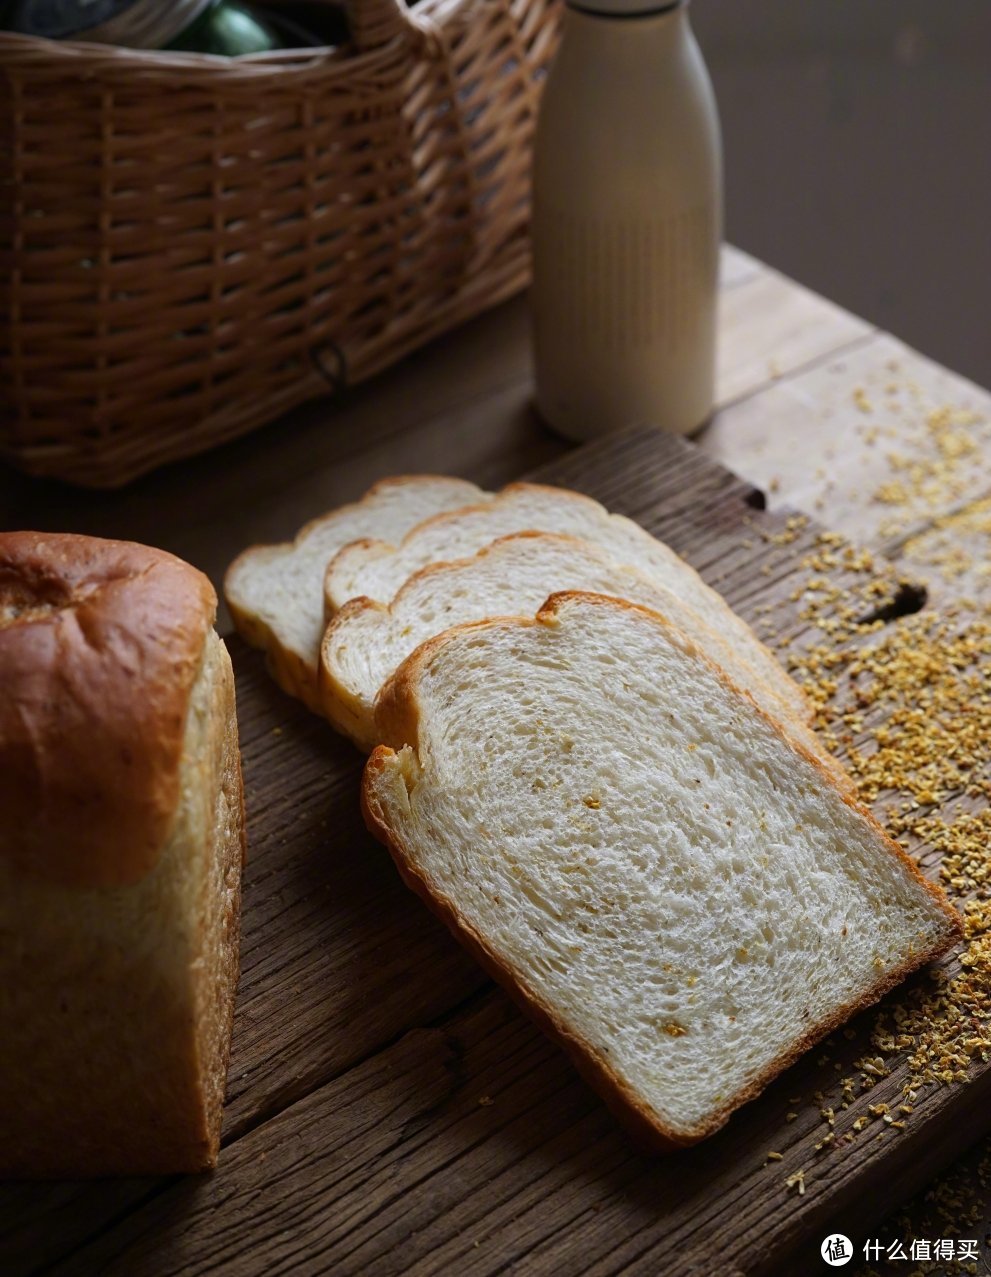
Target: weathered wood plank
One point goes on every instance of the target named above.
(736, 267)
(877, 442)
(338, 959)
(329, 944)
(350, 940)
(41, 1223)
(770, 326)
(953, 554)
(473, 1148)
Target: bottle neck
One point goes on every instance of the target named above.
(607, 35)
(624, 9)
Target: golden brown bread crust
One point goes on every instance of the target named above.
(217, 967)
(648, 1130)
(804, 709)
(397, 714)
(116, 1003)
(287, 667)
(100, 642)
(622, 1102)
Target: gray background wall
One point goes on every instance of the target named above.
(857, 136)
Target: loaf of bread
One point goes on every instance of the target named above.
(121, 848)
(275, 592)
(366, 641)
(675, 891)
(377, 569)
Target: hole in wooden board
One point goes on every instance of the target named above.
(910, 597)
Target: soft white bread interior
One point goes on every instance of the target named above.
(678, 894)
(119, 962)
(377, 569)
(275, 592)
(366, 641)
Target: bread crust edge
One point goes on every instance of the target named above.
(101, 651)
(398, 713)
(286, 666)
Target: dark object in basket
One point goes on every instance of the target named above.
(224, 27)
(198, 244)
(198, 26)
(303, 24)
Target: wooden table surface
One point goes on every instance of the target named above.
(816, 407)
(812, 402)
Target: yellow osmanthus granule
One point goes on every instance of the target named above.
(953, 1206)
(846, 585)
(797, 1181)
(962, 843)
(956, 544)
(909, 705)
(942, 459)
(794, 525)
(946, 1024)
(912, 710)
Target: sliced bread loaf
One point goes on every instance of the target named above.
(377, 569)
(367, 641)
(275, 592)
(680, 896)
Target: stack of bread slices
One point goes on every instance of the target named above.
(590, 768)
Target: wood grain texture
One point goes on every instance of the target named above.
(770, 326)
(473, 1148)
(877, 441)
(953, 554)
(41, 1223)
(355, 1139)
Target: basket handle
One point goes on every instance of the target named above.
(377, 22)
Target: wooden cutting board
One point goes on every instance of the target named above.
(389, 1111)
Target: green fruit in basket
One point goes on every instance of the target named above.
(226, 28)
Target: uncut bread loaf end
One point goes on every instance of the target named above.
(682, 898)
(120, 860)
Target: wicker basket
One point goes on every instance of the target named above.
(197, 244)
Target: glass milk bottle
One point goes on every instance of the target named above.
(627, 221)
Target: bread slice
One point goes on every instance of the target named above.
(680, 896)
(120, 860)
(377, 569)
(366, 641)
(275, 592)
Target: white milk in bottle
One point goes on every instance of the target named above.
(627, 222)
